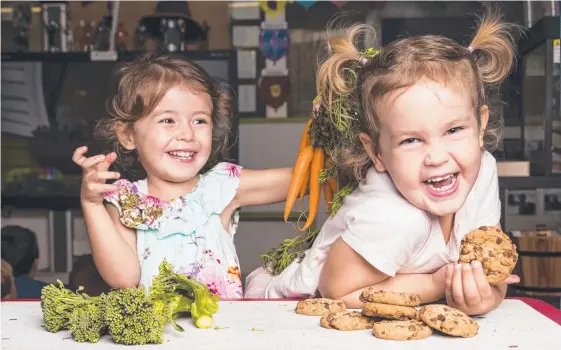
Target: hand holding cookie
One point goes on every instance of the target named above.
(468, 289)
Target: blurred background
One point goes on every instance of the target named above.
(58, 58)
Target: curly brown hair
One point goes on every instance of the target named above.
(140, 86)
(478, 68)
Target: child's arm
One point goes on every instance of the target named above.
(345, 281)
(113, 244)
(259, 187)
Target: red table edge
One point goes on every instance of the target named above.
(540, 306)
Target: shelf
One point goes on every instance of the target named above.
(264, 120)
(530, 182)
(546, 28)
(101, 56)
(55, 203)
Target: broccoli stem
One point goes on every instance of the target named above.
(204, 321)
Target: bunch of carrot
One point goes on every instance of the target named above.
(311, 161)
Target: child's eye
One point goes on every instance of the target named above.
(167, 121)
(201, 121)
(455, 130)
(409, 141)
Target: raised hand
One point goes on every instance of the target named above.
(95, 174)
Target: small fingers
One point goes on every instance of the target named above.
(100, 189)
(92, 161)
(109, 159)
(78, 155)
(102, 176)
(449, 272)
(457, 288)
(470, 289)
(483, 286)
(511, 279)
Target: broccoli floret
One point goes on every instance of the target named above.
(132, 319)
(81, 314)
(189, 294)
(87, 321)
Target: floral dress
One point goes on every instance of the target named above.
(186, 231)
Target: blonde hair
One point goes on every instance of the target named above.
(141, 85)
(8, 284)
(479, 68)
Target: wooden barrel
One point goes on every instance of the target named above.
(539, 262)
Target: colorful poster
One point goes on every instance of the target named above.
(272, 8)
(274, 90)
(274, 43)
(339, 4)
(305, 4)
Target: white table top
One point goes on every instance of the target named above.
(274, 325)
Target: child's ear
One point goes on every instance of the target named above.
(483, 120)
(369, 147)
(125, 136)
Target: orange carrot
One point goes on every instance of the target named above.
(305, 140)
(333, 184)
(315, 186)
(328, 196)
(305, 185)
(300, 167)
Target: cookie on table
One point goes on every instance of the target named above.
(319, 307)
(347, 321)
(493, 248)
(448, 320)
(401, 330)
(390, 312)
(386, 297)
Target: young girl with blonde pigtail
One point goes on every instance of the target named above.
(414, 129)
(170, 115)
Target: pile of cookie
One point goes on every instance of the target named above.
(399, 316)
(391, 316)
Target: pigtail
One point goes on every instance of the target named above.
(343, 55)
(493, 45)
(338, 124)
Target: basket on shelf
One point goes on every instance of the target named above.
(539, 264)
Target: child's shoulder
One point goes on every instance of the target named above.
(487, 174)
(388, 211)
(226, 169)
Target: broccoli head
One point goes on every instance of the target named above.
(180, 293)
(132, 319)
(87, 321)
(81, 314)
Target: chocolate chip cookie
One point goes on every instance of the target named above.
(390, 312)
(448, 320)
(386, 297)
(493, 248)
(319, 307)
(347, 321)
(401, 330)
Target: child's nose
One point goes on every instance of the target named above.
(436, 156)
(185, 133)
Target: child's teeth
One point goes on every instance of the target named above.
(438, 179)
(182, 154)
(443, 188)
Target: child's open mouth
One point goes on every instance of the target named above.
(442, 185)
(182, 156)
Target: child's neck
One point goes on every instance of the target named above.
(446, 226)
(166, 190)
